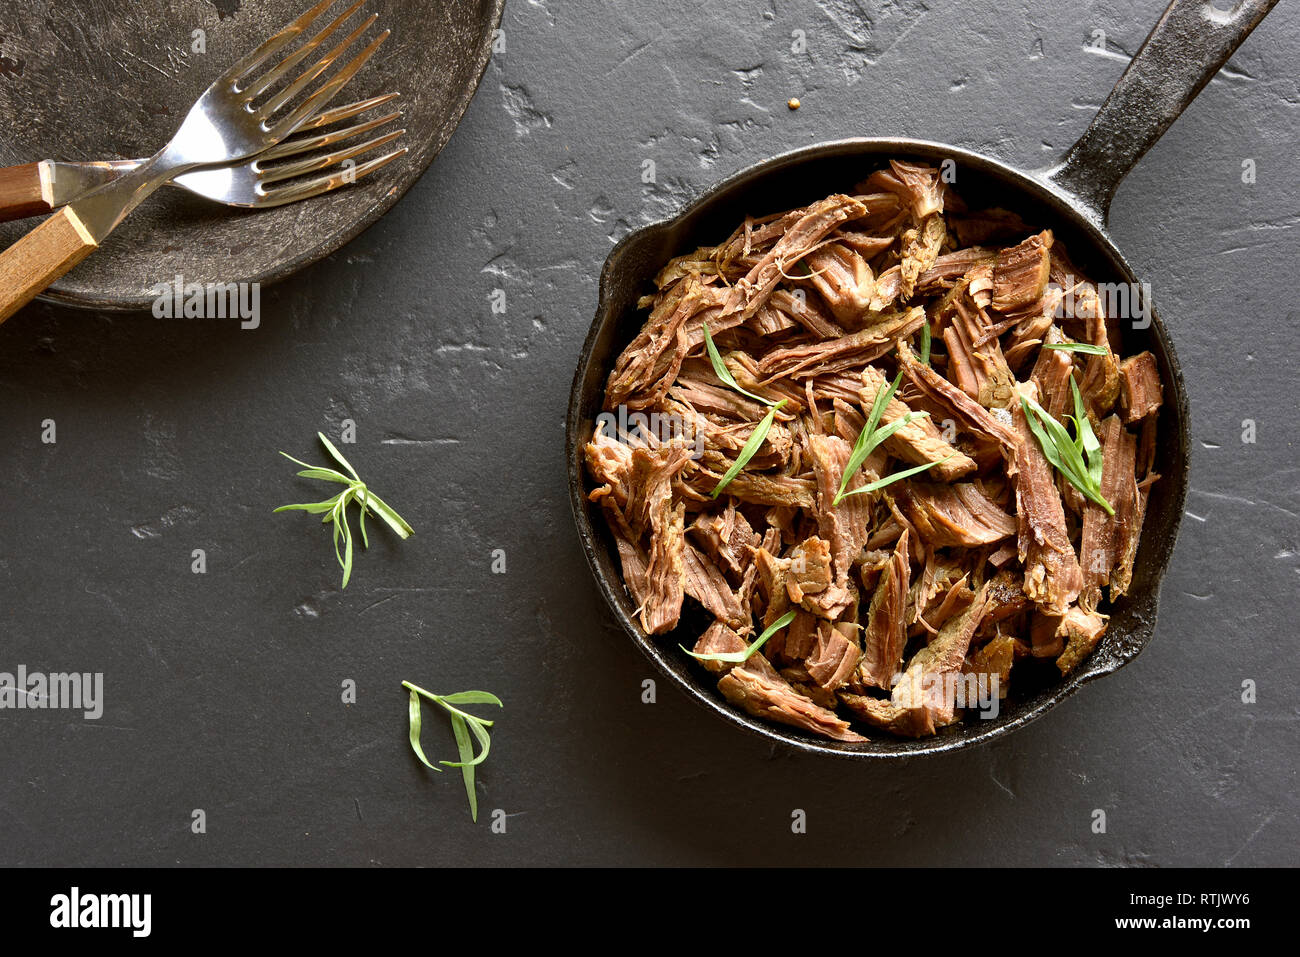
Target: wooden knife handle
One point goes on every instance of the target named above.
(40, 257)
(21, 194)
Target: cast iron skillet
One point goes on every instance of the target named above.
(1185, 49)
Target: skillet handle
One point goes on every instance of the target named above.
(1190, 43)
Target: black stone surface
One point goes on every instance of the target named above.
(223, 690)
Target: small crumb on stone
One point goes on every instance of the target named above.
(793, 103)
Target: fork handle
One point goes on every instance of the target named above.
(40, 257)
(22, 193)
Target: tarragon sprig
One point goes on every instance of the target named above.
(722, 372)
(740, 657)
(1086, 348)
(871, 436)
(463, 724)
(756, 438)
(748, 449)
(878, 484)
(335, 509)
(1079, 458)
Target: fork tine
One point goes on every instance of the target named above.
(325, 160)
(318, 68)
(306, 144)
(276, 42)
(327, 92)
(324, 184)
(327, 117)
(297, 56)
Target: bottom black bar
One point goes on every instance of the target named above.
(329, 906)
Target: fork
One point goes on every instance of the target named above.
(234, 119)
(44, 186)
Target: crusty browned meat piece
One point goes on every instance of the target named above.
(834, 656)
(719, 639)
(1020, 275)
(706, 584)
(886, 631)
(975, 360)
(666, 571)
(956, 514)
(609, 461)
(943, 393)
(920, 252)
(917, 185)
(994, 660)
(1140, 393)
(1051, 376)
(1006, 597)
(644, 371)
(1053, 578)
(727, 538)
(1082, 630)
(758, 689)
(751, 291)
(851, 351)
(810, 569)
(846, 526)
(925, 698)
(844, 281)
(1100, 542)
(918, 442)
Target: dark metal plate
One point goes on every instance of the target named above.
(111, 79)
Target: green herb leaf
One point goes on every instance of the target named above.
(325, 475)
(747, 451)
(871, 436)
(891, 479)
(415, 732)
(1064, 453)
(925, 343)
(338, 456)
(463, 725)
(1085, 347)
(335, 509)
(473, 697)
(740, 657)
(722, 372)
(1087, 438)
(466, 763)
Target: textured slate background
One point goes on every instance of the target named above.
(223, 689)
